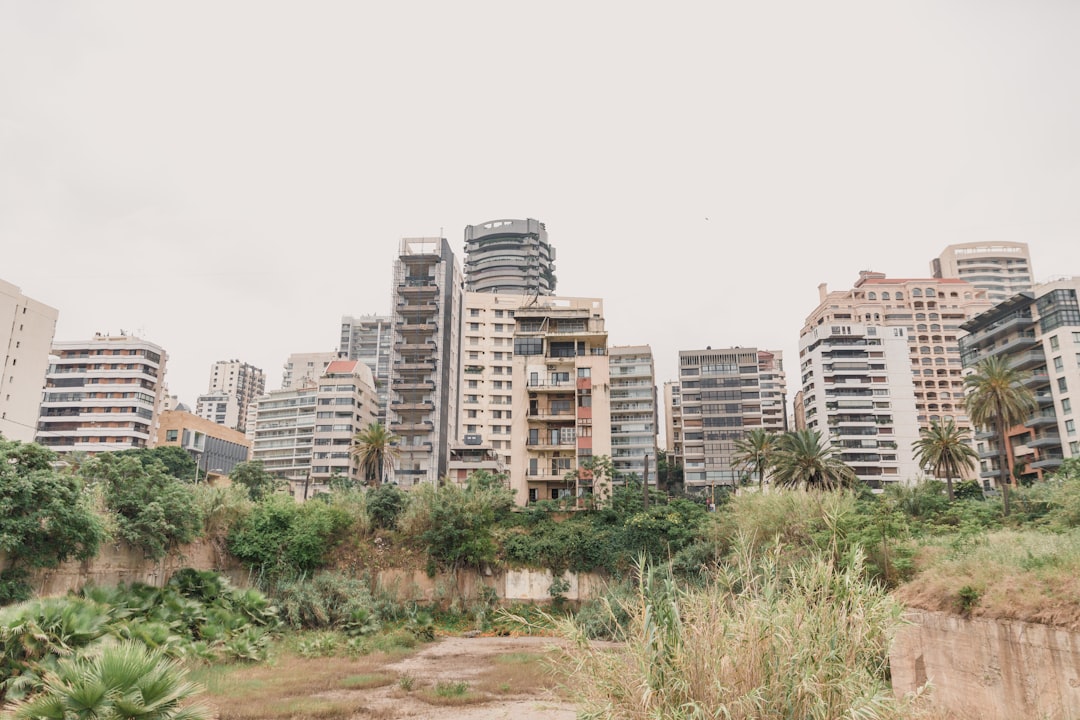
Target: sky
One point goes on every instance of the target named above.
(227, 179)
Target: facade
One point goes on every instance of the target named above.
(221, 408)
(932, 312)
(1038, 333)
(102, 395)
(26, 334)
(304, 434)
(233, 386)
(369, 339)
(215, 448)
(1002, 269)
(304, 368)
(857, 392)
(633, 411)
(467, 459)
(673, 422)
(509, 257)
(723, 395)
(424, 371)
(561, 398)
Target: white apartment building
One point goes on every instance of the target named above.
(233, 386)
(633, 411)
(1002, 269)
(26, 334)
(370, 339)
(561, 398)
(857, 392)
(222, 408)
(304, 368)
(425, 368)
(102, 395)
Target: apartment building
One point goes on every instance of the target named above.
(1002, 269)
(305, 368)
(304, 434)
(233, 386)
(216, 449)
(370, 339)
(857, 392)
(723, 394)
(673, 436)
(103, 394)
(510, 257)
(561, 399)
(26, 335)
(932, 312)
(1038, 333)
(633, 411)
(424, 372)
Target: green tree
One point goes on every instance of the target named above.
(669, 472)
(283, 537)
(996, 400)
(254, 477)
(754, 453)
(385, 505)
(154, 510)
(945, 450)
(176, 460)
(375, 449)
(46, 516)
(596, 473)
(455, 525)
(802, 460)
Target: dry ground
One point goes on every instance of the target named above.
(461, 678)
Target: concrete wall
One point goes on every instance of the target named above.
(989, 669)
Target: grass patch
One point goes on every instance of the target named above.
(365, 681)
(520, 673)
(451, 693)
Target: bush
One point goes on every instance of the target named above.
(283, 538)
(385, 505)
(455, 526)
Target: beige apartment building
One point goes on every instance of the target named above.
(561, 398)
(305, 368)
(633, 411)
(215, 448)
(1002, 269)
(26, 334)
(673, 428)
(233, 386)
(932, 310)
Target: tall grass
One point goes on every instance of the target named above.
(762, 639)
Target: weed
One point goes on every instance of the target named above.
(451, 689)
(966, 599)
(406, 683)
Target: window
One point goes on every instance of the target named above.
(1070, 427)
(171, 435)
(475, 327)
(884, 296)
(472, 384)
(1066, 406)
(528, 346)
(474, 355)
(1076, 337)
(498, 327)
(1062, 385)
(1059, 364)
(584, 372)
(1054, 343)
(872, 296)
(498, 313)
(473, 312)
(470, 414)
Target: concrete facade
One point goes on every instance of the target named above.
(633, 410)
(102, 395)
(26, 335)
(509, 257)
(1002, 269)
(214, 447)
(304, 368)
(233, 386)
(673, 429)
(370, 339)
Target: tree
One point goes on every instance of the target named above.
(801, 459)
(996, 400)
(176, 460)
(254, 477)
(596, 470)
(944, 449)
(375, 449)
(46, 516)
(754, 452)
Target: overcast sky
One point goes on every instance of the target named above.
(227, 179)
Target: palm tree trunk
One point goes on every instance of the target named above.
(1003, 467)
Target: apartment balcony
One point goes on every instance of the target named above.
(412, 428)
(402, 406)
(417, 309)
(547, 415)
(1049, 461)
(546, 476)
(1037, 379)
(422, 447)
(404, 384)
(426, 346)
(415, 366)
(543, 445)
(567, 386)
(1043, 419)
(418, 287)
(1044, 398)
(1028, 360)
(416, 327)
(1005, 327)
(1045, 441)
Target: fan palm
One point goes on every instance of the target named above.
(996, 400)
(946, 450)
(375, 449)
(754, 452)
(801, 459)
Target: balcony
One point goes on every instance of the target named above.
(418, 365)
(565, 386)
(1046, 441)
(403, 384)
(1042, 419)
(412, 428)
(1044, 398)
(1036, 379)
(1048, 461)
(547, 415)
(1028, 360)
(402, 406)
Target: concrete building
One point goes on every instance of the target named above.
(215, 448)
(931, 311)
(510, 257)
(857, 392)
(673, 427)
(304, 434)
(369, 339)
(467, 459)
(724, 394)
(424, 371)
(221, 408)
(1002, 269)
(26, 334)
(561, 398)
(1037, 332)
(633, 410)
(233, 386)
(103, 394)
(304, 368)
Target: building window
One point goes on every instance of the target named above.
(584, 372)
(498, 313)
(475, 327)
(473, 312)
(1066, 406)
(171, 435)
(1059, 364)
(1054, 343)
(1070, 427)
(1062, 385)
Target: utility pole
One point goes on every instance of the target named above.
(645, 484)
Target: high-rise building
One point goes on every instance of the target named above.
(509, 256)
(633, 411)
(673, 422)
(26, 334)
(932, 311)
(369, 339)
(102, 395)
(233, 386)
(424, 371)
(561, 398)
(303, 434)
(723, 394)
(857, 392)
(304, 368)
(1002, 269)
(1038, 333)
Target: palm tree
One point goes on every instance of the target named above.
(754, 452)
(945, 449)
(800, 458)
(996, 401)
(375, 448)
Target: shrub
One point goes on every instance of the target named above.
(455, 526)
(282, 538)
(385, 505)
